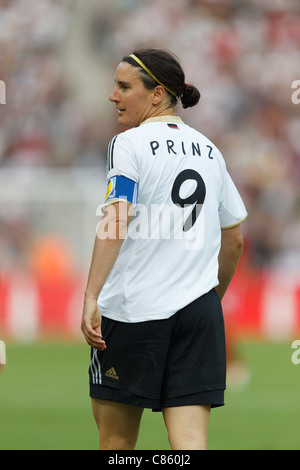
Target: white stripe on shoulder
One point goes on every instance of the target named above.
(110, 153)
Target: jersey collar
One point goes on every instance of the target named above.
(175, 119)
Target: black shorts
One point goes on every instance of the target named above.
(161, 363)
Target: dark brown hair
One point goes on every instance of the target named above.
(166, 67)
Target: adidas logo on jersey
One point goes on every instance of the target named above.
(111, 373)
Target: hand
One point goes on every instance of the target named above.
(91, 324)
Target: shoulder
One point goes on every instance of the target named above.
(213, 152)
(121, 156)
(126, 138)
(123, 141)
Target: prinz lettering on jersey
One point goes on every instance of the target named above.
(180, 148)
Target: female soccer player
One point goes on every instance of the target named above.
(165, 252)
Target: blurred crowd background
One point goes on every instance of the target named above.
(58, 59)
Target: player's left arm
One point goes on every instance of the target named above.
(110, 236)
(230, 253)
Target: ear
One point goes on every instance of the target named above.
(158, 94)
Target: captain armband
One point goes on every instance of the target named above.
(120, 188)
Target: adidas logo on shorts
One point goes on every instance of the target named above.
(111, 373)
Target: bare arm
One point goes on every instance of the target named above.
(110, 236)
(230, 252)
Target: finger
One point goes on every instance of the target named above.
(94, 340)
(91, 335)
(87, 327)
(100, 345)
(94, 333)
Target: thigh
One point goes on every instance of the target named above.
(118, 424)
(187, 426)
(197, 355)
(133, 361)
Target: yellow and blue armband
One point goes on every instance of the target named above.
(120, 188)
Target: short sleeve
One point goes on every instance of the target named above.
(121, 159)
(232, 210)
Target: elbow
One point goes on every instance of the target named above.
(237, 250)
(112, 232)
(239, 245)
(232, 242)
(114, 223)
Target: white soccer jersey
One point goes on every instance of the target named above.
(182, 196)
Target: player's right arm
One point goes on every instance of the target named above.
(122, 194)
(106, 250)
(229, 255)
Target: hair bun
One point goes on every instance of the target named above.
(190, 96)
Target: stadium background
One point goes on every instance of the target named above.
(57, 60)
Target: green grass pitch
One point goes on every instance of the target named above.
(44, 402)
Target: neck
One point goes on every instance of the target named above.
(172, 118)
(161, 111)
